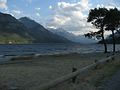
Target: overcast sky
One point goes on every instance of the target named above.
(71, 15)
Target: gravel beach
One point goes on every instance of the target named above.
(29, 74)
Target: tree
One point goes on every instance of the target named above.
(112, 22)
(96, 17)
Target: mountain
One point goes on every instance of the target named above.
(41, 34)
(77, 39)
(12, 31)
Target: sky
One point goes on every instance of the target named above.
(70, 15)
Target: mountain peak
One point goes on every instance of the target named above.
(29, 23)
(7, 18)
(26, 18)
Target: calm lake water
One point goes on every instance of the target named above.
(45, 49)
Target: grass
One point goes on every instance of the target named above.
(108, 72)
(97, 77)
(13, 38)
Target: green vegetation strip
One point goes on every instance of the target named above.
(13, 39)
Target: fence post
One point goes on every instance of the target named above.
(74, 78)
(97, 66)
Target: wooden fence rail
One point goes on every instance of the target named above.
(74, 74)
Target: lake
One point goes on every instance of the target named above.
(48, 49)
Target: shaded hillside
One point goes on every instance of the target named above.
(11, 30)
(41, 34)
(25, 30)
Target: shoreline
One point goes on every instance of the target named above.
(12, 59)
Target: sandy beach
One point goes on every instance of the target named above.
(29, 74)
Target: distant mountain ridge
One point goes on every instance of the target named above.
(77, 39)
(41, 34)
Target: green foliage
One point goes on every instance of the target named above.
(112, 19)
(104, 19)
(96, 16)
(13, 39)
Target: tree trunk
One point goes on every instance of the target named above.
(113, 37)
(104, 42)
(105, 45)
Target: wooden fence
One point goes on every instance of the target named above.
(65, 78)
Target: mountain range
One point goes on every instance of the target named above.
(25, 30)
(11, 30)
(41, 34)
(74, 38)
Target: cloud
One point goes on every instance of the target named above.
(38, 14)
(71, 17)
(109, 6)
(37, 9)
(29, 1)
(50, 7)
(16, 12)
(3, 4)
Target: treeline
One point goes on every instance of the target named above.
(104, 20)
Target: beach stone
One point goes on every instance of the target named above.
(14, 88)
(100, 88)
(3, 87)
